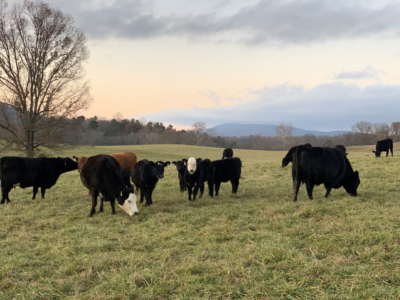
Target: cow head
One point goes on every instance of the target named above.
(130, 206)
(191, 165)
(160, 165)
(377, 153)
(124, 194)
(69, 164)
(351, 183)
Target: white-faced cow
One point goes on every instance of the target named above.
(385, 145)
(145, 177)
(323, 165)
(41, 172)
(102, 174)
(196, 174)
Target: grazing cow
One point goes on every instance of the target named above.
(145, 177)
(181, 167)
(40, 173)
(196, 174)
(228, 153)
(224, 170)
(317, 165)
(102, 174)
(385, 145)
(288, 157)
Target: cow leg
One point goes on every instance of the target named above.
(147, 196)
(141, 195)
(94, 203)
(328, 191)
(112, 203)
(217, 186)
(296, 186)
(4, 192)
(190, 192)
(310, 188)
(101, 209)
(43, 191)
(235, 185)
(387, 153)
(201, 190)
(210, 189)
(35, 190)
(196, 190)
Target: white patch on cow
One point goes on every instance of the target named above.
(191, 165)
(130, 206)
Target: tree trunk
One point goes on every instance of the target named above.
(29, 150)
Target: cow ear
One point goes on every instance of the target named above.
(373, 151)
(167, 163)
(75, 158)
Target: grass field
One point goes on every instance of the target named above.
(257, 244)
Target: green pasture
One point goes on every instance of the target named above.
(257, 244)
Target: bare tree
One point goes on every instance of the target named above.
(41, 73)
(395, 129)
(381, 129)
(363, 127)
(199, 126)
(284, 130)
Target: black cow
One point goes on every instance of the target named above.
(342, 148)
(317, 165)
(102, 174)
(385, 145)
(145, 177)
(228, 153)
(41, 172)
(181, 167)
(224, 170)
(289, 156)
(196, 175)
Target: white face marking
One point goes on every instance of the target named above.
(130, 206)
(191, 165)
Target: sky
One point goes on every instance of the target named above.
(315, 64)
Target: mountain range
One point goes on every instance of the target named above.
(240, 129)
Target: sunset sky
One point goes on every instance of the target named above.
(317, 64)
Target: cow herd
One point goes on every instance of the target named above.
(111, 176)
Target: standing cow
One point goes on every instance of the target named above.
(224, 170)
(145, 177)
(323, 165)
(385, 145)
(180, 168)
(42, 172)
(102, 174)
(196, 174)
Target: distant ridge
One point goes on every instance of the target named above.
(239, 129)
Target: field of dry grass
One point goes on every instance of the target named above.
(256, 244)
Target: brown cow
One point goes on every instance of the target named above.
(126, 160)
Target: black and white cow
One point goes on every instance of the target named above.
(385, 145)
(181, 167)
(102, 174)
(196, 174)
(224, 170)
(227, 153)
(323, 165)
(145, 177)
(41, 172)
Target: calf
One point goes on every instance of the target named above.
(181, 167)
(385, 145)
(40, 173)
(196, 174)
(102, 174)
(228, 153)
(289, 156)
(317, 165)
(145, 177)
(224, 170)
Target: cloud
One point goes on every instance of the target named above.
(367, 73)
(331, 106)
(266, 21)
